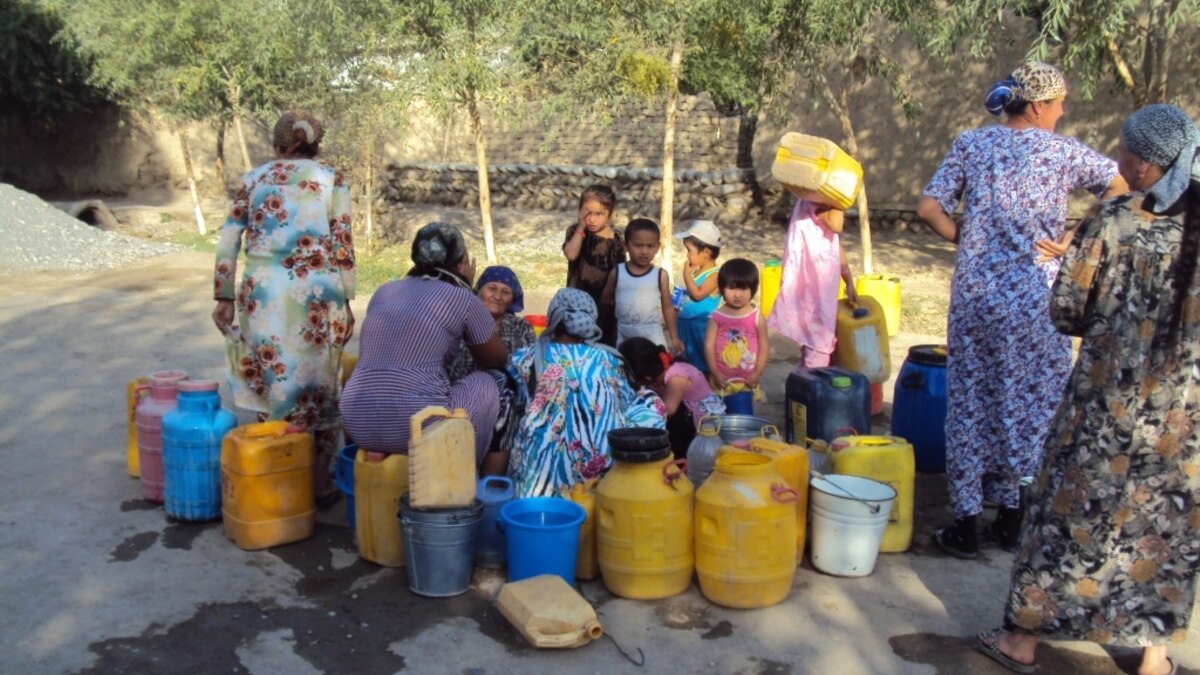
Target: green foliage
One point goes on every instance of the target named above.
(644, 74)
(43, 75)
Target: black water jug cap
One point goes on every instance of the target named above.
(639, 445)
(931, 355)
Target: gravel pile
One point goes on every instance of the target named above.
(36, 236)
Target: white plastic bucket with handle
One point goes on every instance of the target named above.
(849, 515)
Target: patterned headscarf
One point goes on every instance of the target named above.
(435, 248)
(296, 127)
(575, 311)
(507, 277)
(1165, 136)
(1031, 82)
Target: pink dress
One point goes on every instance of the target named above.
(698, 398)
(805, 310)
(736, 346)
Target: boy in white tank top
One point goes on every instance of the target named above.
(640, 292)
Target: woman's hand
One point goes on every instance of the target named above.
(1048, 249)
(466, 269)
(223, 316)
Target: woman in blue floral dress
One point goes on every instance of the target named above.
(1007, 364)
(574, 392)
(292, 307)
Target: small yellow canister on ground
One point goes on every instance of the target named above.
(889, 460)
(131, 446)
(267, 485)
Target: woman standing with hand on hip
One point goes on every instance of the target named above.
(1007, 364)
(293, 306)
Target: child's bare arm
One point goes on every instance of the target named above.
(702, 291)
(847, 276)
(608, 297)
(710, 354)
(764, 353)
(574, 243)
(668, 310)
(673, 395)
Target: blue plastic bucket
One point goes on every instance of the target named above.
(542, 536)
(741, 403)
(343, 476)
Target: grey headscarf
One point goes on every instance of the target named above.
(575, 311)
(1165, 136)
(435, 248)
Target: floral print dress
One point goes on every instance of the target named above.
(294, 217)
(1111, 545)
(1007, 365)
(581, 395)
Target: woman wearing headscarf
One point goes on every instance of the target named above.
(1111, 546)
(293, 305)
(412, 327)
(574, 391)
(1007, 364)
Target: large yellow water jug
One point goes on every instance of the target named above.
(862, 340)
(131, 446)
(267, 485)
(771, 278)
(886, 290)
(349, 362)
(890, 460)
(644, 521)
(791, 461)
(745, 532)
(817, 169)
(378, 485)
(584, 494)
(548, 612)
(441, 460)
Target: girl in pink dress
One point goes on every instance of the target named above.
(805, 310)
(736, 343)
(682, 386)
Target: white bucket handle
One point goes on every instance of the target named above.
(874, 508)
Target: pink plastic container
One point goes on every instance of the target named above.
(154, 401)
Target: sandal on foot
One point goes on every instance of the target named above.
(994, 531)
(1174, 666)
(946, 540)
(988, 644)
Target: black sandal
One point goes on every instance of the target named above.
(959, 539)
(988, 644)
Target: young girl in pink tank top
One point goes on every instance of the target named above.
(736, 344)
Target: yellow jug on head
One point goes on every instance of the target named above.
(817, 170)
(267, 485)
(889, 460)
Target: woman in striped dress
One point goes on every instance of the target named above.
(412, 326)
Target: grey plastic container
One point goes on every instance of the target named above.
(439, 548)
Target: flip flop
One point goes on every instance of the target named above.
(988, 644)
(1174, 666)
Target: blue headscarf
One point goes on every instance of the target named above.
(507, 277)
(1165, 136)
(1031, 81)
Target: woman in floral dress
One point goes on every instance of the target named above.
(1112, 544)
(293, 304)
(1007, 364)
(574, 392)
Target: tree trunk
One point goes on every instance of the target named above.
(220, 161)
(191, 180)
(841, 108)
(666, 214)
(237, 126)
(370, 199)
(481, 166)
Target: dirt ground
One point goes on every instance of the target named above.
(94, 579)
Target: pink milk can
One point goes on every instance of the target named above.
(154, 401)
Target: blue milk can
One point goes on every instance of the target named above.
(493, 492)
(919, 406)
(192, 435)
(824, 403)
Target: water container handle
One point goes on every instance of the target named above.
(852, 430)
(712, 420)
(877, 440)
(669, 477)
(770, 431)
(914, 380)
(503, 481)
(784, 494)
(418, 420)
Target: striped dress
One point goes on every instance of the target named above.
(411, 326)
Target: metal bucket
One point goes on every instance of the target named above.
(439, 548)
(742, 428)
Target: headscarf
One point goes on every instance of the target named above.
(1032, 81)
(575, 311)
(1165, 136)
(435, 247)
(507, 277)
(297, 127)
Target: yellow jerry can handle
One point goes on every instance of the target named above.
(418, 420)
(267, 429)
(876, 440)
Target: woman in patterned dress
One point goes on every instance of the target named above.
(413, 325)
(1112, 544)
(1007, 364)
(574, 392)
(293, 305)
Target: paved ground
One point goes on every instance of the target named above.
(93, 579)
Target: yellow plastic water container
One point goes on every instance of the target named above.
(267, 485)
(378, 485)
(886, 290)
(889, 460)
(791, 461)
(771, 277)
(745, 532)
(131, 447)
(441, 460)
(549, 613)
(817, 169)
(644, 509)
(862, 340)
(584, 494)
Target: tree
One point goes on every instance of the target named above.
(1133, 41)
(837, 47)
